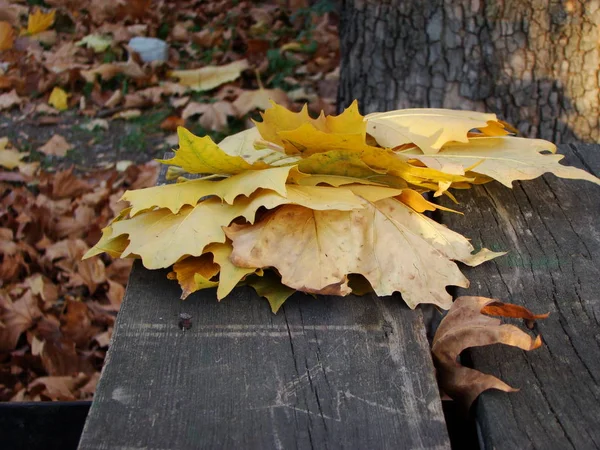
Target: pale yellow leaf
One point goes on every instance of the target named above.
(504, 159)
(97, 42)
(229, 275)
(428, 128)
(161, 238)
(10, 157)
(210, 77)
(174, 196)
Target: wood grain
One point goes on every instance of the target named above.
(351, 372)
(552, 230)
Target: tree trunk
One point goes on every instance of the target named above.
(535, 63)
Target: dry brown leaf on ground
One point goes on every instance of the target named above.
(109, 71)
(16, 317)
(9, 99)
(261, 99)
(465, 326)
(213, 115)
(56, 146)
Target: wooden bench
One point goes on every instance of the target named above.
(356, 372)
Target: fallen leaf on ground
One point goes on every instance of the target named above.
(58, 99)
(259, 99)
(171, 123)
(56, 146)
(7, 36)
(97, 42)
(16, 317)
(110, 70)
(96, 124)
(207, 78)
(9, 99)
(465, 326)
(213, 116)
(127, 114)
(39, 21)
(10, 157)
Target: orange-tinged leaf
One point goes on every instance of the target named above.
(466, 326)
(39, 21)
(7, 36)
(392, 246)
(417, 202)
(171, 123)
(185, 270)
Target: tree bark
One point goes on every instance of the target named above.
(535, 63)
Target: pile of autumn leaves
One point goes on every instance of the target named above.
(329, 206)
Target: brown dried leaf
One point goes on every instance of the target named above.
(9, 99)
(57, 146)
(261, 99)
(76, 324)
(16, 317)
(213, 115)
(466, 326)
(59, 388)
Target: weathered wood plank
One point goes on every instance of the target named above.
(552, 231)
(351, 372)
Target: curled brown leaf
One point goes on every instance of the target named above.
(467, 325)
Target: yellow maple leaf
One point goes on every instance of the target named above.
(504, 159)
(428, 128)
(161, 238)
(7, 36)
(39, 21)
(175, 196)
(299, 133)
(202, 155)
(58, 99)
(207, 78)
(10, 157)
(392, 246)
